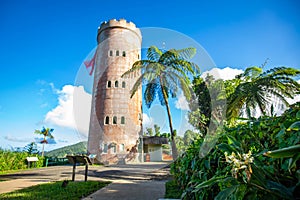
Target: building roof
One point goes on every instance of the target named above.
(154, 140)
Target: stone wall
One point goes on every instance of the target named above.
(115, 125)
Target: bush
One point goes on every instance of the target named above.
(236, 167)
(172, 190)
(10, 160)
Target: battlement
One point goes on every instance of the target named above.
(122, 23)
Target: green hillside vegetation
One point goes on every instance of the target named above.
(79, 148)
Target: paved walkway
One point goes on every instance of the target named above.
(131, 181)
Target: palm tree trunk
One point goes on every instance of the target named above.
(43, 150)
(173, 144)
(43, 146)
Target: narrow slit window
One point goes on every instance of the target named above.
(110, 53)
(113, 148)
(107, 120)
(105, 148)
(138, 56)
(117, 53)
(123, 84)
(109, 84)
(124, 54)
(115, 119)
(122, 120)
(116, 84)
(121, 148)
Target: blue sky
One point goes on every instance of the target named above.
(43, 45)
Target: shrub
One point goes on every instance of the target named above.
(237, 168)
(10, 160)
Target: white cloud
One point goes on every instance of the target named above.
(82, 109)
(16, 139)
(181, 102)
(225, 74)
(73, 109)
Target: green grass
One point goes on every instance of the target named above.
(172, 190)
(14, 171)
(74, 190)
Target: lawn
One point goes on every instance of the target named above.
(54, 190)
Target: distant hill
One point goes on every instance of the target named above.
(79, 148)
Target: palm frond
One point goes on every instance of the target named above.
(181, 54)
(278, 95)
(187, 53)
(136, 86)
(153, 53)
(186, 66)
(281, 71)
(137, 66)
(150, 93)
(253, 72)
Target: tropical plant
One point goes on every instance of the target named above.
(164, 74)
(210, 99)
(156, 130)
(189, 137)
(257, 159)
(255, 89)
(46, 133)
(149, 131)
(10, 160)
(31, 148)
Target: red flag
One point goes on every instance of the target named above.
(90, 63)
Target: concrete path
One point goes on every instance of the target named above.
(134, 182)
(131, 181)
(32, 177)
(133, 190)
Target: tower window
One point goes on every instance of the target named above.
(117, 53)
(107, 120)
(121, 148)
(110, 53)
(138, 56)
(113, 148)
(124, 54)
(123, 84)
(122, 120)
(116, 84)
(115, 120)
(109, 84)
(105, 148)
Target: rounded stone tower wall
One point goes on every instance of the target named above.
(116, 124)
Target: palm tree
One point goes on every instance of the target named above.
(255, 88)
(47, 133)
(164, 74)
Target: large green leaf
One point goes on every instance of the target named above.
(284, 152)
(208, 183)
(280, 190)
(235, 192)
(295, 126)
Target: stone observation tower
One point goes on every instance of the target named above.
(115, 128)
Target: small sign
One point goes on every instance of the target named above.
(32, 159)
(79, 159)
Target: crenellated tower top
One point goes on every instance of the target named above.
(122, 23)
